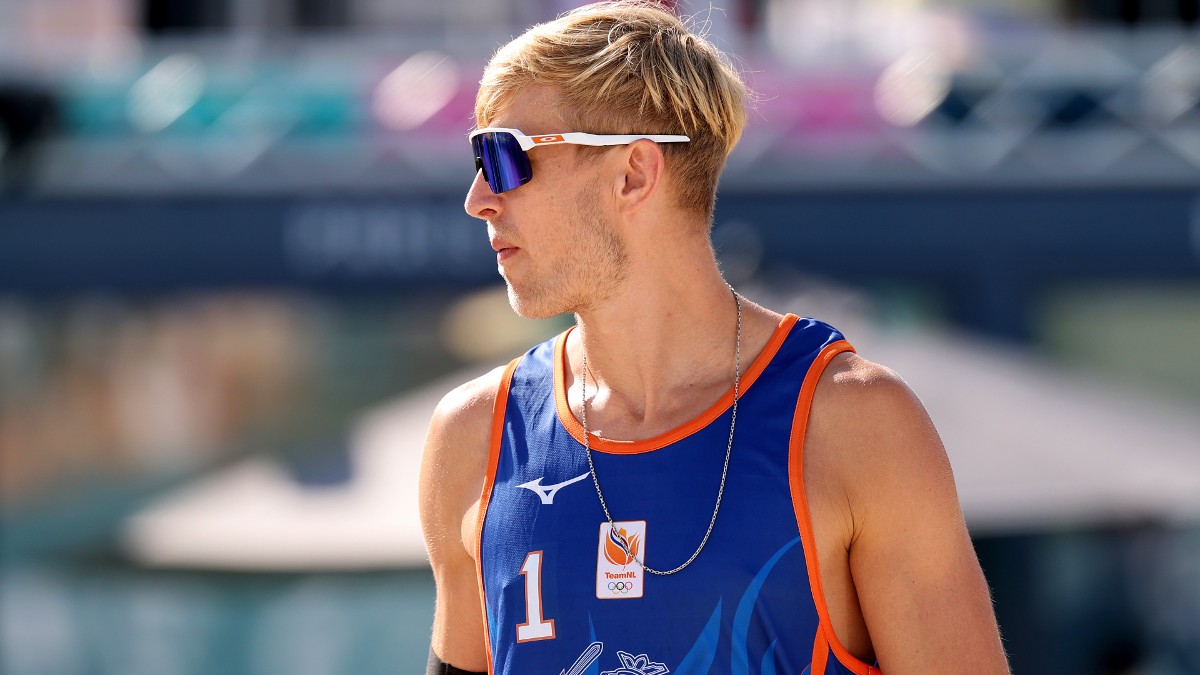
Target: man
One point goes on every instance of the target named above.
(685, 482)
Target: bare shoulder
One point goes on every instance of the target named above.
(852, 381)
(454, 460)
(871, 423)
(466, 410)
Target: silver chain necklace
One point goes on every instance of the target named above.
(587, 444)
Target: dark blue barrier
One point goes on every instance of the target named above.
(987, 251)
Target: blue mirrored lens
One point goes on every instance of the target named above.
(505, 165)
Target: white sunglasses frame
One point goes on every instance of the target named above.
(527, 142)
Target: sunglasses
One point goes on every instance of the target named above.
(501, 154)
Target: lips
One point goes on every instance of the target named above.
(503, 248)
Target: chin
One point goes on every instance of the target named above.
(533, 305)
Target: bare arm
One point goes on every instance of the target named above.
(890, 530)
(452, 473)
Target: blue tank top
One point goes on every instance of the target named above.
(562, 596)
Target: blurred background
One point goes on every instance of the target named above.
(235, 278)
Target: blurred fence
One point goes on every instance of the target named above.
(969, 107)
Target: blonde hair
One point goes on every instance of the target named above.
(630, 67)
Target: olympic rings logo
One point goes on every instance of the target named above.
(621, 587)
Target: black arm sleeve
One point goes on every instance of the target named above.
(436, 667)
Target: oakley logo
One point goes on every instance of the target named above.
(546, 492)
(547, 139)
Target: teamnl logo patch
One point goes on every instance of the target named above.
(618, 575)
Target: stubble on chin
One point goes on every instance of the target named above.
(532, 298)
(526, 307)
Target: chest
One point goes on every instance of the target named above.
(556, 571)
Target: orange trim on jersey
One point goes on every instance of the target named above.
(800, 504)
(567, 417)
(820, 655)
(499, 408)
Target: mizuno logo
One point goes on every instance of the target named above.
(546, 492)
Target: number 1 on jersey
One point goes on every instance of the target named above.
(536, 626)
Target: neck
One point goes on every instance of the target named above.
(661, 349)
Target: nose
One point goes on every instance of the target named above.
(481, 202)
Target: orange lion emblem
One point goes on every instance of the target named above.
(616, 553)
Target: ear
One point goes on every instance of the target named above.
(641, 176)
